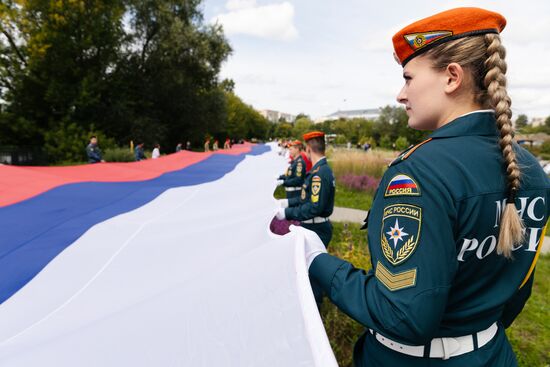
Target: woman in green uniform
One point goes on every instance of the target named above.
(457, 223)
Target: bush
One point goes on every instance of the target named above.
(341, 139)
(385, 142)
(360, 182)
(401, 143)
(369, 140)
(118, 155)
(67, 143)
(545, 147)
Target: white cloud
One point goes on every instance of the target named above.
(240, 4)
(275, 21)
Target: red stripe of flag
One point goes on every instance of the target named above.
(400, 186)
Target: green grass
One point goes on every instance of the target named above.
(529, 335)
(349, 243)
(530, 332)
(344, 197)
(348, 198)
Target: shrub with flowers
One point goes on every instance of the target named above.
(359, 182)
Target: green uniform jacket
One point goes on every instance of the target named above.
(317, 195)
(94, 153)
(296, 173)
(432, 234)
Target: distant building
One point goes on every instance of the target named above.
(276, 116)
(368, 114)
(537, 121)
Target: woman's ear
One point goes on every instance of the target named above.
(454, 74)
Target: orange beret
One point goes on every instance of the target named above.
(296, 143)
(314, 134)
(426, 33)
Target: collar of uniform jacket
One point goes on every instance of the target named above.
(475, 123)
(319, 163)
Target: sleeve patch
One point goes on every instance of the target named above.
(315, 190)
(400, 232)
(395, 281)
(402, 185)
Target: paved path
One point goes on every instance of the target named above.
(348, 215)
(357, 216)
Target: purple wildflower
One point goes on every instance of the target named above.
(360, 183)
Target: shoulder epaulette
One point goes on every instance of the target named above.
(407, 153)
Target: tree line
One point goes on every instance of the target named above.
(141, 70)
(390, 130)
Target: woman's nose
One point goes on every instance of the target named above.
(402, 97)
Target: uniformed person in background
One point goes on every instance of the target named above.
(307, 161)
(93, 152)
(294, 177)
(316, 201)
(458, 221)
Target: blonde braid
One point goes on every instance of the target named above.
(511, 225)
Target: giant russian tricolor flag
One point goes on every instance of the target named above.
(165, 262)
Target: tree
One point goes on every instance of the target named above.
(521, 121)
(56, 58)
(393, 122)
(284, 130)
(243, 121)
(135, 69)
(301, 126)
(401, 143)
(547, 122)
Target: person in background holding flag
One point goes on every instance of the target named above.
(316, 201)
(296, 173)
(457, 223)
(139, 153)
(156, 152)
(93, 152)
(306, 159)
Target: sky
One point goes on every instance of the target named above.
(320, 56)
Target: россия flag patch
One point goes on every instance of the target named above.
(402, 185)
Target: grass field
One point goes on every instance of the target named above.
(529, 335)
(348, 198)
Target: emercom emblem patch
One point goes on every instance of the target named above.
(400, 233)
(315, 189)
(402, 185)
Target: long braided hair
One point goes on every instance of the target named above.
(484, 57)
